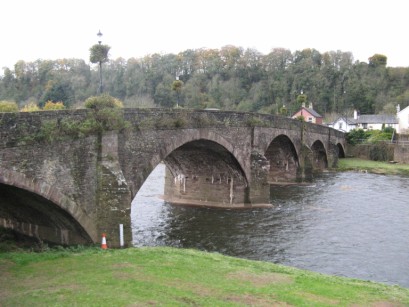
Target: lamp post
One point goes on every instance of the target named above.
(177, 87)
(99, 34)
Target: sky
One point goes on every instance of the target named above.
(55, 29)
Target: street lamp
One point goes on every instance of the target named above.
(99, 34)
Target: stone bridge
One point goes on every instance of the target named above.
(67, 178)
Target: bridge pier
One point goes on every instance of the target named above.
(113, 194)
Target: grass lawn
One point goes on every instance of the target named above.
(373, 166)
(174, 277)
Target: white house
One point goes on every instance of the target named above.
(366, 122)
(344, 124)
(377, 122)
(403, 118)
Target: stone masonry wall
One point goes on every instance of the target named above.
(94, 176)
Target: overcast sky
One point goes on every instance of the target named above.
(54, 29)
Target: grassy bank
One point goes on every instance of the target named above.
(174, 277)
(353, 164)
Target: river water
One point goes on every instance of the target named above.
(345, 224)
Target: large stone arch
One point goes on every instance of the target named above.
(283, 159)
(203, 169)
(319, 156)
(62, 220)
(340, 150)
(203, 172)
(184, 137)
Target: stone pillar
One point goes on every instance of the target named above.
(259, 189)
(332, 155)
(113, 194)
(306, 168)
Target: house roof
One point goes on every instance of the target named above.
(348, 120)
(368, 119)
(377, 119)
(311, 111)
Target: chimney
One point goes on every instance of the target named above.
(355, 114)
(310, 107)
(398, 108)
(303, 104)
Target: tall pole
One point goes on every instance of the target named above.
(100, 77)
(99, 34)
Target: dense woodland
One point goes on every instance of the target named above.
(231, 78)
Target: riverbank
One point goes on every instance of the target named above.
(385, 168)
(174, 277)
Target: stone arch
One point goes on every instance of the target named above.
(202, 171)
(340, 150)
(319, 156)
(283, 159)
(170, 145)
(76, 225)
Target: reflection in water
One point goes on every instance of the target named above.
(347, 224)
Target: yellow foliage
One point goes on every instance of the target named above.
(8, 106)
(30, 107)
(49, 105)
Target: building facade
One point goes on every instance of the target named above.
(309, 114)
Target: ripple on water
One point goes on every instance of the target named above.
(347, 224)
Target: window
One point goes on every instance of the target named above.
(340, 126)
(310, 119)
(365, 126)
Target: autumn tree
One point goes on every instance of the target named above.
(377, 60)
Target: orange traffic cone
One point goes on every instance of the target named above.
(104, 242)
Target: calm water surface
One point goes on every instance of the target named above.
(345, 224)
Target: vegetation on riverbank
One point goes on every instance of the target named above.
(377, 167)
(174, 277)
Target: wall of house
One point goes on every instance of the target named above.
(377, 126)
(403, 117)
(308, 117)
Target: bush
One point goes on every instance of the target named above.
(8, 106)
(379, 152)
(358, 136)
(102, 102)
(104, 116)
(49, 105)
(30, 107)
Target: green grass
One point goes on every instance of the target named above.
(174, 277)
(373, 166)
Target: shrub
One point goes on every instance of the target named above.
(49, 105)
(103, 101)
(30, 107)
(8, 106)
(379, 152)
(356, 136)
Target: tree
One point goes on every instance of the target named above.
(57, 92)
(378, 60)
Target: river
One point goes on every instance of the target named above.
(345, 224)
